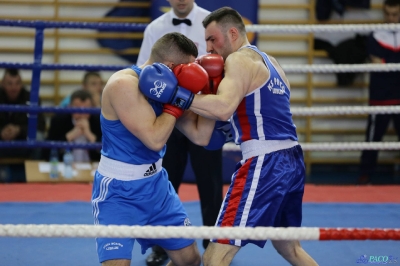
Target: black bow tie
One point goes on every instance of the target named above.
(176, 21)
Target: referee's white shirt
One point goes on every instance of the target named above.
(163, 24)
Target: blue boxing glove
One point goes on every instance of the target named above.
(221, 135)
(159, 83)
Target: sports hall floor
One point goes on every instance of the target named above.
(373, 206)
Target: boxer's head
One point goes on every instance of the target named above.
(225, 31)
(173, 49)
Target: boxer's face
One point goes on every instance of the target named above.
(181, 8)
(217, 40)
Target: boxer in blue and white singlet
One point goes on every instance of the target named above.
(130, 189)
(267, 186)
(263, 191)
(140, 108)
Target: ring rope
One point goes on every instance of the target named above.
(116, 26)
(63, 66)
(335, 146)
(345, 110)
(365, 28)
(49, 144)
(251, 28)
(289, 68)
(296, 111)
(32, 109)
(340, 68)
(321, 146)
(198, 232)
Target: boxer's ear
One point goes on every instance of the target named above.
(170, 64)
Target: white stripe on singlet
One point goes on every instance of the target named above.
(257, 114)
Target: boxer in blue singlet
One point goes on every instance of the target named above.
(268, 183)
(130, 186)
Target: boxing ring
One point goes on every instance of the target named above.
(49, 230)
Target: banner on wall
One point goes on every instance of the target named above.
(119, 45)
(249, 10)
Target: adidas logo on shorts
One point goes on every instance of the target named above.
(152, 170)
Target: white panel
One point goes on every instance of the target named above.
(285, 60)
(281, 46)
(298, 93)
(299, 122)
(338, 93)
(83, 12)
(26, 10)
(327, 123)
(277, 14)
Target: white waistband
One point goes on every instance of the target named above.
(256, 147)
(125, 171)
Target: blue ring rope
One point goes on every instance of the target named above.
(74, 25)
(62, 66)
(49, 144)
(19, 108)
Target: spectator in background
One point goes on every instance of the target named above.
(14, 125)
(77, 128)
(384, 87)
(186, 18)
(93, 83)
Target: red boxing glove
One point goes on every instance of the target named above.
(214, 65)
(172, 110)
(191, 76)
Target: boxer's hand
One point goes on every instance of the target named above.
(214, 66)
(191, 76)
(158, 83)
(221, 135)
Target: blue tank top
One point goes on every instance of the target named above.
(121, 145)
(264, 114)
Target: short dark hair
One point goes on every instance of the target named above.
(13, 72)
(81, 94)
(391, 2)
(174, 47)
(90, 74)
(226, 17)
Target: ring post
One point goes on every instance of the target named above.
(35, 83)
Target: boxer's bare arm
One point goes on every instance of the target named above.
(122, 100)
(231, 90)
(196, 128)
